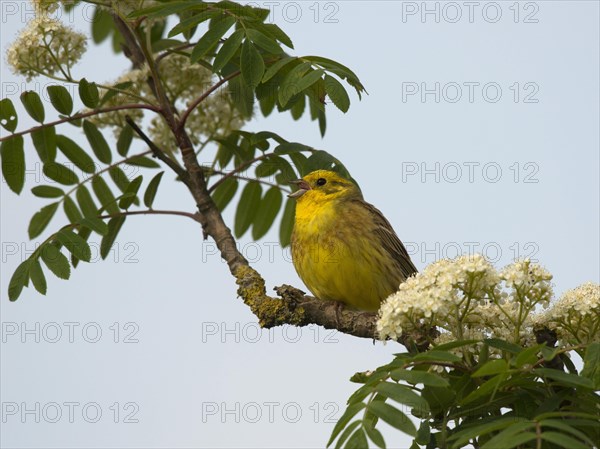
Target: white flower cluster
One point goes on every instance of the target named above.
(44, 47)
(467, 298)
(575, 316)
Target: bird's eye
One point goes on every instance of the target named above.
(321, 181)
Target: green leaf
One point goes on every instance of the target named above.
(393, 417)
(75, 154)
(130, 193)
(228, 49)
(424, 433)
(44, 140)
(340, 70)
(151, 190)
(36, 274)
(71, 210)
(164, 44)
(124, 141)
(358, 440)
(375, 436)
(565, 427)
(485, 389)
(166, 9)
(97, 142)
(247, 208)
(298, 107)
(8, 115)
(119, 178)
(266, 94)
(267, 211)
(528, 356)
(513, 436)
(95, 224)
(287, 223)
(562, 440)
(455, 344)
(419, 377)
(88, 92)
(438, 356)
(346, 433)
(263, 41)
(570, 380)
(85, 233)
(252, 64)
(439, 398)
(56, 261)
(591, 364)
(86, 203)
(76, 245)
(105, 195)
(266, 168)
(503, 345)
(277, 33)
(59, 173)
(61, 99)
(348, 414)
(33, 105)
(403, 395)
(242, 96)
(143, 161)
(492, 367)
(224, 192)
(192, 22)
(337, 93)
(102, 25)
(18, 280)
(211, 38)
(464, 435)
(47, 192)
(40, 220)
(296, 81)
(114, 226)
(275, 68)
(322, 123)
(13, 163)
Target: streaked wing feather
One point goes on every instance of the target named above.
(390, 241)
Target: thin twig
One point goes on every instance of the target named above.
(82, 115)
(246, 178)
(240, 168)
(157, 152)
(202, 97)
(154, 212)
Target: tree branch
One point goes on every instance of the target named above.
(292, 307)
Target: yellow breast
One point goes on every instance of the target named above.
(337, 257)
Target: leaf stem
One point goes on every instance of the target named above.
(202, 97)
(80, 116)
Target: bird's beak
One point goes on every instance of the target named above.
(303, 187)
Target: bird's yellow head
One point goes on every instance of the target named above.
(324, 185)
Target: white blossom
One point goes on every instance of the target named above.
(45, 46)
(575, 316)
(467, 298)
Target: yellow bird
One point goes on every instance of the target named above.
(343, 248)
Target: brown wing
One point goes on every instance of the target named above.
(390, 241)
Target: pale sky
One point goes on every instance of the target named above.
(479, 134)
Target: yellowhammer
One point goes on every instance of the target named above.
(343, 248)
